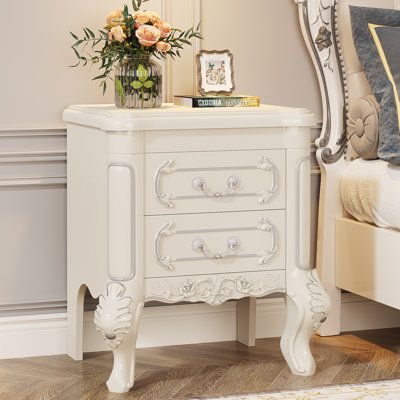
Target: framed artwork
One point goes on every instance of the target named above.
(215, 72)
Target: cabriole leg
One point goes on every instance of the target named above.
(117, 319)
(307, 307)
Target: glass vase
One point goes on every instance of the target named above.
(138, 82)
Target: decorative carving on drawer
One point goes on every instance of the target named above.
(113, 316)
(214, 290)
(199, 183)
(199, 245)
(267, 166)
(165, 262)
(266, 226)
(164, 198)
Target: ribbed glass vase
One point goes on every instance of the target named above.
(138, 82)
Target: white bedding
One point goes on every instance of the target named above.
(370, 192)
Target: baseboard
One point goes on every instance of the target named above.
(40, 335)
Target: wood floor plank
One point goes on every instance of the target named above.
(199, 387)
(353, 368)
(327, 367)
(381, 367)
(209, 369)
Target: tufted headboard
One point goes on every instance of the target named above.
(326, 28)
(327, 32)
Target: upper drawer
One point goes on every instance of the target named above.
(215, 181)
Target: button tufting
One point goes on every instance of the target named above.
(359, 127)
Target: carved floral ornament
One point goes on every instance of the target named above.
(113, 317)
(323, 40)
(319, 301)
(214, 290)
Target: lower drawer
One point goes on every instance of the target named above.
(214, 289)
(198, 244)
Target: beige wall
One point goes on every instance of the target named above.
(270, 57)
(36, 83)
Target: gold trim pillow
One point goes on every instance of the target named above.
(387, 42)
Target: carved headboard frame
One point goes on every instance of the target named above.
(318, 20)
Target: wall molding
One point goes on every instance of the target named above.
(177, 324)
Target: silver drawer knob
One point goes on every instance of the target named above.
(199, 246)
(199, 184)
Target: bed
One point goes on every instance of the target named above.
(359, 218)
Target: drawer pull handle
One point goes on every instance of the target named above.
(199, 246)
(267, 166)
(199, 184)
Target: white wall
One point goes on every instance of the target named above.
(36, 85)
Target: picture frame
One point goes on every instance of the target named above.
(215, 72)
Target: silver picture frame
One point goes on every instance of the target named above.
(215, 72)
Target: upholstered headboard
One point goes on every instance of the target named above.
(327, 31)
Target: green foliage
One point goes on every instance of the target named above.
(120, 90)
(104, 51)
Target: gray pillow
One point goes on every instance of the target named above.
(387, 41)
(389, 137)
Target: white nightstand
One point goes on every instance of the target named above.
(195, 205)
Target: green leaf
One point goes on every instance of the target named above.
(74, 36)
(100, 77)
(148, 84)
(76, 52)
(91, 33)
(120, 88)
(136, 84)
(142, 73)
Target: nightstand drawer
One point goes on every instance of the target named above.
(214, 243)
(215, 181)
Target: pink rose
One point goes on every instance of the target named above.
(115, 18)
(148, 35)
(164, 28)
(117, 33)
(164, 47)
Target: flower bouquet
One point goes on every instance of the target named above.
(131, 45)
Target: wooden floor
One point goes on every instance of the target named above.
(216, 369)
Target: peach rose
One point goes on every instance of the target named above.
(115, 18)
(141, 18)
(153, 16)
(164, 47)
(164, 28)
(117, 33)
(148, 35)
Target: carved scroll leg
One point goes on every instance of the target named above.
(307, 307)
(117, 318)
(122, 377)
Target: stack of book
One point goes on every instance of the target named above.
(217, 101)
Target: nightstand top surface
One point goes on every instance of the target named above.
(170, 117)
